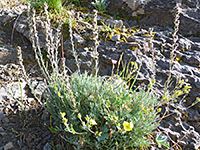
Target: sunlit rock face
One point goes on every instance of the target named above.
(160, 13)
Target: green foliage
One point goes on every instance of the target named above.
(55, 5)
(101, 113)
(160, 140)
(100, 5)
(76, 2)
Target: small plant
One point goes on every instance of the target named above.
(55, 5)
(93, 111)
(160, 140)
(101, 113)
(76, 2)
(100, 5)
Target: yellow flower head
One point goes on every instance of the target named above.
(64, 120)
(159, 109)
(79, 115)
(62, 115)
(100, 133)
(93, 122)
(128, 126)
(176, 111)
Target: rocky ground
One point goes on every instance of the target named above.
(27, 127)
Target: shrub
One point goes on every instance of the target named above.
(101, 113)
(93, 111)
(100, 5)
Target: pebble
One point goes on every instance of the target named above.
(38, 146)
(20, 143)
(197, 84)
(1, 129)
(115, 37)
(1, 115)
(3, 133)
(47, 146)
(8, 146)
(6, 120)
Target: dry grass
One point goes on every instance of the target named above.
(10, 3)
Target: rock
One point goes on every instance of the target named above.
(7, 54)
(115, 37)
(8, 146)
(6, 120)
(114, 23)
(14, 89)
(78, 39)
(1, 129)
(189, 17)
(38, 146)
(3, 133)
(160, 13)
(1, 114)
(197, 83)
(38, 86)
(191, 59)
(47, 146)
(6, 18)
(7, 15)
(20, 143)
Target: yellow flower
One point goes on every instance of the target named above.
(128, 126)
(159, 109)
(79, 115)
(93, 122)
(64, 120)
(62, 115)
(96, 133)
(176, 111)
(100, 133)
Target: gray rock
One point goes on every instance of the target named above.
(193, 60)
(1, 114)
(47, 146)
(1, 129)
(197, 83)
(7, 54)
(78, 38)
(184, 42)
(38, 146)
(14, 89)
(20, 143)
(3, 133)
(8, 146)
(115, 37)
(6, 120)
(7, 15)
(38, 86)
(6, 18)
(160, 13)
(114, 23)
